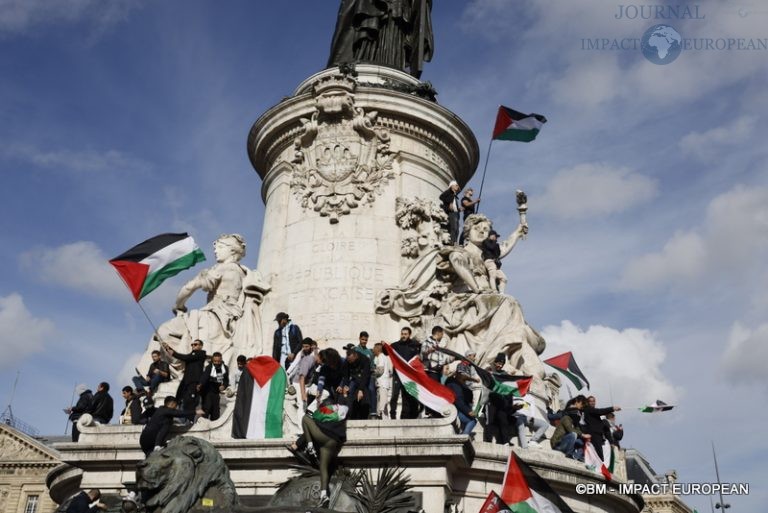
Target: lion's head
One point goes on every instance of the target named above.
(177, 476)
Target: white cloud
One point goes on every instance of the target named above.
(18, 16)
(705, 145)
(732, 243)
(79, 265)
(128, 370)
(79, 161)
(623, 364)
(596, 189)
(744, 358)
(684, 257)
(21, 333)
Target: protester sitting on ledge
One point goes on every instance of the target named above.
(568, 438)
(155, 434)
(159, 372)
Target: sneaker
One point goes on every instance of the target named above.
(324, 499)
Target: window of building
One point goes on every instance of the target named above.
(31, 506)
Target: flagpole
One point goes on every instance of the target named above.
(485, 168)
(71, 401)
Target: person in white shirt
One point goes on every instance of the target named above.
(383, 371)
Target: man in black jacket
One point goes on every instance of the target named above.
(287, 340)
(214, 381)
(593, 424)
(83, 405)
(155, 433)
(407, 348)
(450, 202)
(463, 401)
(356, 376)
(194, 361)
(81, 503)
(131, 414)
(103, 407)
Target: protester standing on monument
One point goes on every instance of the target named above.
(434, 360)
(450, 202)
(131, 414)
(407, 348)
(356, 377)
(300, 377)
(194, 362)
(155, 433)
(593, 423)
(102, 407)
(159, 372)
(362, 347)
(468, 207)
(525, 416)
(500, 408)
(241, 361)
(214, 380)
(329, 376)
(383, 374)
(492, 261)
(611, 431)
(287, 340)
(84, 399)
(463, 401)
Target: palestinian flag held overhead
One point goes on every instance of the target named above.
(567, 365)
(527, 492)
(656, 407)
(258, 409)
(515, 388)
(145, 266)
(512, 125)
(427, 391)
(494, 504)
(592, 461)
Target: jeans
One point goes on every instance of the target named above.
(140, 382)
(453, 226)
(467, 423)
(539, 425)
(567, 445)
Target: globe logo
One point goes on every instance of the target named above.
(661, 44)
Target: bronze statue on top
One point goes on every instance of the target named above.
(393, 33)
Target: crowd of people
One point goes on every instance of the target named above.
(356, 383)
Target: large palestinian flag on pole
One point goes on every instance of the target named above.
(567, 365)
(259, 406)
(512, 125)
(524, 491)
(417, 383)
(145, 266)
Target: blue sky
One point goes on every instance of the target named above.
(648, 190)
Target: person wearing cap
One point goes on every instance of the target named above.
(452, 206)
(287, 340)
(355, 380)
(492, 261)
(500, 408)
(84, 400)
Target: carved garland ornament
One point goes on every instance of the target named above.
(341, 160)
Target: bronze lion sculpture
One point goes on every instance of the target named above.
(173, 479)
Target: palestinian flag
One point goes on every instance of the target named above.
(508, 385)
(330, 413)
(259, 406)
(527, 492)
(417, 383)
(516, 126)
(567, 365)
(145, 266)
(515, 387)
(656, 407)
(593, 462)
(609, 456)
(494, 504)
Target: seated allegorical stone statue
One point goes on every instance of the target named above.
(230, 322)
(450, 286)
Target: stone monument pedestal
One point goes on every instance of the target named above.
(333, 159)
